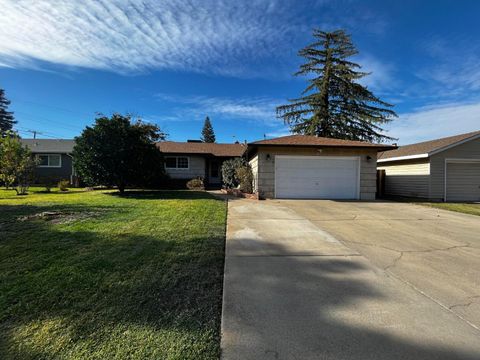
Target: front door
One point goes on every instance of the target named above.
(214, 172)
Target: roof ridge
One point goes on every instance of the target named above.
(205, 143)
(472, 133)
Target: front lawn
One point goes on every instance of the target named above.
(467, 208)
(92, 275)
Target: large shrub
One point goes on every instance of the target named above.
(118, 152)
(244, 177)
(229, 168)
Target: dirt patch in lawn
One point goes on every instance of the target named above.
(60, 217)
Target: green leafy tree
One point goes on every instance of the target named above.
(208, 135)
(119, 152)
(335, 104)
(6, 117)
(16, 163)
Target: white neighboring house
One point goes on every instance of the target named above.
(446, 169)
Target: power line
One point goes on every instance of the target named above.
(25, 130)
(43, 119)
(52, 106)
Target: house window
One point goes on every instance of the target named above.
(177, 162)
(182, 163)
(170, 162)
(49, 160)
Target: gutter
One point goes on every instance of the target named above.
(408, 157)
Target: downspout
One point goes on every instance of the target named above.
(73, 170)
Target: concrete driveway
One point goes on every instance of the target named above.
(350, 280)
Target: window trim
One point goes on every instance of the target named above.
(176, 163)
(50, 166)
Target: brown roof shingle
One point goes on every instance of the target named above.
(221, 150)
(306, 140)
(426, 146)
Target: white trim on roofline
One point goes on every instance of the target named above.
(408, 157)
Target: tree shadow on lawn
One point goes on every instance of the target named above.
(164, 195)
(73, 293)
(321, 307)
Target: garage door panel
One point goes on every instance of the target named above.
(463, 181)
(316, 177)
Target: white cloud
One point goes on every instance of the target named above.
(381, 77)
(284, 131)
(227, 37)
(462, 76)
(435, 122)
(134, 35)
(242, 108)
(453, 69)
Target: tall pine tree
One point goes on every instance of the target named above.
(334, 104)
(208, 135)
(6, 117)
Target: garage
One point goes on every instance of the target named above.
(317, 177)
(462, 180)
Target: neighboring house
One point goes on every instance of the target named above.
(446, 169)
(310, 167)
(192, 159)
(55, 160)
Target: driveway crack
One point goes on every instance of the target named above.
(395, 261)
(402, 252)
(470, 300)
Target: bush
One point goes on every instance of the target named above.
(195, 184)
(244, 176)
(49, 183)
(229, 168)
(63, 185)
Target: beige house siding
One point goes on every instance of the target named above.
(254, 165)
(196, 168)
(468, 150)
(407, 178)
(266, 167)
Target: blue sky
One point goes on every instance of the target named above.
(174, 62)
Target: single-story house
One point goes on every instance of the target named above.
(55, 159)
(310, 167)
(446, 169)
(296, 166)
(196, 159)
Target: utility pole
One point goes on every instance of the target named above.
(34, 132)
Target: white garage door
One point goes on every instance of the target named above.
(463, 181)
(316, 177)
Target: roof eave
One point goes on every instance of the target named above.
(376, 147)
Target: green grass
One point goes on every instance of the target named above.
(107, 277)
(466, 208)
